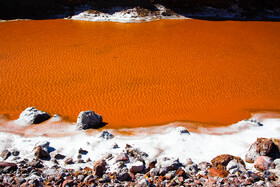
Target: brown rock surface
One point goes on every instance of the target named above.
(99, 168)
(216, 172)
(41, 153)
(221, 161)
(263, 163)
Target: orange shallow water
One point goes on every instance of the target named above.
(141, 74)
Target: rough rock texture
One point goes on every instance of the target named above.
(263, 163)
(221, 161)
(216, 172)
(262, 147)
(89, 119)
(136, 167)
(99, 168)
(33, 116)
(234, 166)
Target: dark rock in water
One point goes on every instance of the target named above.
(89, 119)
(106, 135)
(59, 156)
(5, 154)
(82, 151)
(262, 147)
(99, 168)
(41, 153)
(33, 116)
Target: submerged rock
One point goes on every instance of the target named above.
(32, 116)
(89, 119)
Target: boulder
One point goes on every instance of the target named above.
(136, 167)
(262, 147)
(263, 163)
(221, 161)
(106, 135)
(5, 154)
(33, 116)
(89, 119)
(99, 167)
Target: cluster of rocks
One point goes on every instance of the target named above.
(86, 119)
(133, 167)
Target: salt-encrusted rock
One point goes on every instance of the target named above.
(204, 166)
(170, 164)
(221, 161)
(254, 121)
(163, 171)
(234, 166)
(136, 167)
(33, 116)
(5, 154)
(106, 135)
(154, 172)
(99, 167)
(182, 130)
(263, 163)
(191, 169)
(262, 147)
(122, 157)
(89, 119)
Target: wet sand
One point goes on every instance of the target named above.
(141, 74)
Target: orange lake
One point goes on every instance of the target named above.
(141, 74)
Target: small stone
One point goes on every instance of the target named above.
(136, 167)
(263, 163)
(106, 135)
(122, 157)
(36, 164)
(189, 161)
(5, 154)
(15, 152)
(215, 172)
(123, 176)
(59, 156)
(154, 172)
(191, 169)
(68, 161)
(204, 166)
(82, 151)
(99, 168)
(115, 146)
(41, 153)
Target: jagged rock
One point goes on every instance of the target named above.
(41, 153)
(99, 167)
(221, 161)
(262, 147)
(136, 167)
(82, 151)
(59, 156)
(5, 154)
(89, 119)
(152, 164)
(263, 163)
(122, 157)
(33, 116)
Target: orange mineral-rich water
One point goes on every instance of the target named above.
(141, 74)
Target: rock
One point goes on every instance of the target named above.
(234, 166)
(216, 172)
(189, 161)
(221, 161)
(82, 151)
(15, 152)
(154, 172)
(8, 165)
(5, 154)
(152, 164)
(59, 156)
(136, 167)
(262, 147)
(204, 166)
(254, 121)
(122, 157)
(263, 163)
(115, 146)
(99, 167)
(170, 164)
(33, 116)
(163, 171)
(68, 182)
(106, 135)
(124, 176)
(191, 169)
(36, 164)
(68, 161)
(50, 172)
(41, 153)
(182, 130)
(89, 119)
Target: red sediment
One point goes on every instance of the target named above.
(141, 74)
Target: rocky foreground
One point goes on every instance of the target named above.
(133, 168)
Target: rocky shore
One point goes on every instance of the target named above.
(78, 162)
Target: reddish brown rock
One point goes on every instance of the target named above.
(99, 168)
(262, 147)
(180, 172)
(221, 161)
(41, 153)
(216, 172)
(68, 182)
(122, 157)
(263, 163)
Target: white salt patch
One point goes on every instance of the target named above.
(165, 143)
